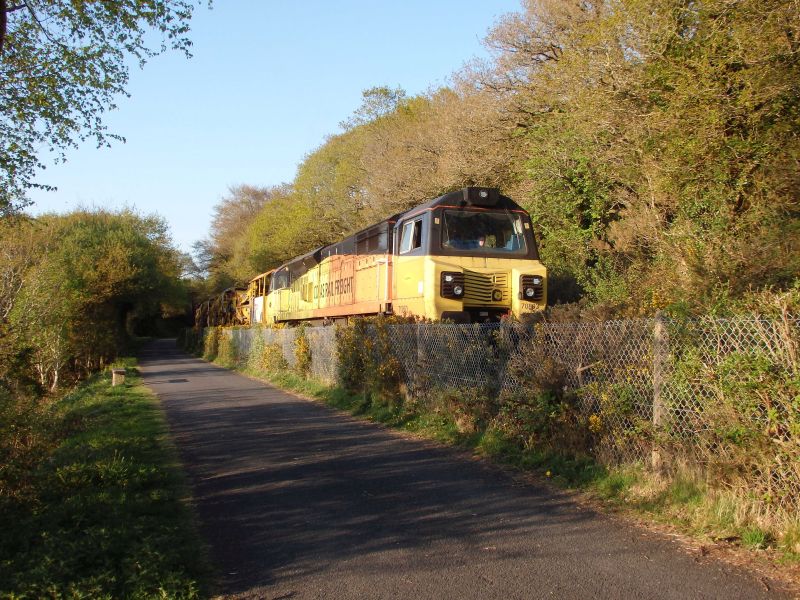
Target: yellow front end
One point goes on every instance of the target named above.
(492, 287)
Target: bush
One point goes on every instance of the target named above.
(266, 358)
(227, 350)
(470, 409)
(26, 435)
(542, 414)
(302, 351)
(367, 362)
(351, 368)
(742, 416)
(211, 337)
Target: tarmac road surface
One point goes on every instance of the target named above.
(297, 500)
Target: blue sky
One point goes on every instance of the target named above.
(268, 82)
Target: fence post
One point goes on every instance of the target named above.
(660, 356)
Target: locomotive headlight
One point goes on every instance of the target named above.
(452, 284)
(531, 287)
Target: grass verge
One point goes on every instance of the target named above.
(105, 512)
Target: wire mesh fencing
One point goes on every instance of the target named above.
(718, 393)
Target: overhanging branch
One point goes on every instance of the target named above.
(4, 10)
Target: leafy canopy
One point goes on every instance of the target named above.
(62, 64)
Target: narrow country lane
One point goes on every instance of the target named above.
(299, 501)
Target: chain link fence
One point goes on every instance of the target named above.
(723, 394)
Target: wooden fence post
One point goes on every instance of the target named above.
(660, 357)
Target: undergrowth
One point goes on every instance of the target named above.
(103, 513)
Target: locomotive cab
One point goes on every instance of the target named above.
(468, 256)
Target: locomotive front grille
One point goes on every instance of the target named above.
(482, 289)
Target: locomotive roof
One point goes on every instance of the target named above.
(481, 197)
(263, 274)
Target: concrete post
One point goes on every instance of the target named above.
(117, 377)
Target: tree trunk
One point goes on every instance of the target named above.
(3, 24)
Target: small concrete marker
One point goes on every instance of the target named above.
(117, 377)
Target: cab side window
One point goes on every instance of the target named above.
(411, 238)
(280, 280)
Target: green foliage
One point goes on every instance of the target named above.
(266, 358)
(541, 415)
(211, 342)
(469, 409)
(350, 358)
(26, 436)
(78, 285)
(227, 353)
(756, 538)
(377, 102)
(101, 508)
(681, 121)
(302, 351)
(367, 363)
(272, 359)
(748, 405)
(62, 65)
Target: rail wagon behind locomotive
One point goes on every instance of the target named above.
(257, 291)
(467, 256)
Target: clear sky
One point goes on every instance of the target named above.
(269, 80)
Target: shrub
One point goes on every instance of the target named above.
(541, 414)
(470, 409)
(227, 350)
(742, 416)
(367, 360)
(211, 337)
(351, 368)
(302, 351)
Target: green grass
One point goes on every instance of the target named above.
(755, 538)
(106, 516)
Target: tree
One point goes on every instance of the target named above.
(376, 102)
(62, 64)
(225, 257)
(661, 140)
(90, 277)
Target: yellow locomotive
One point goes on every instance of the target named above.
(467, 256)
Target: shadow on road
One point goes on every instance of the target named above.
(294, 495)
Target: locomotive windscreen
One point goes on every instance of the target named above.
(484, 231)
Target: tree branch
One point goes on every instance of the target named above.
(3, 23)
(4, 10)
(29, 5)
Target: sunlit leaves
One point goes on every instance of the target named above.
(63, 64)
